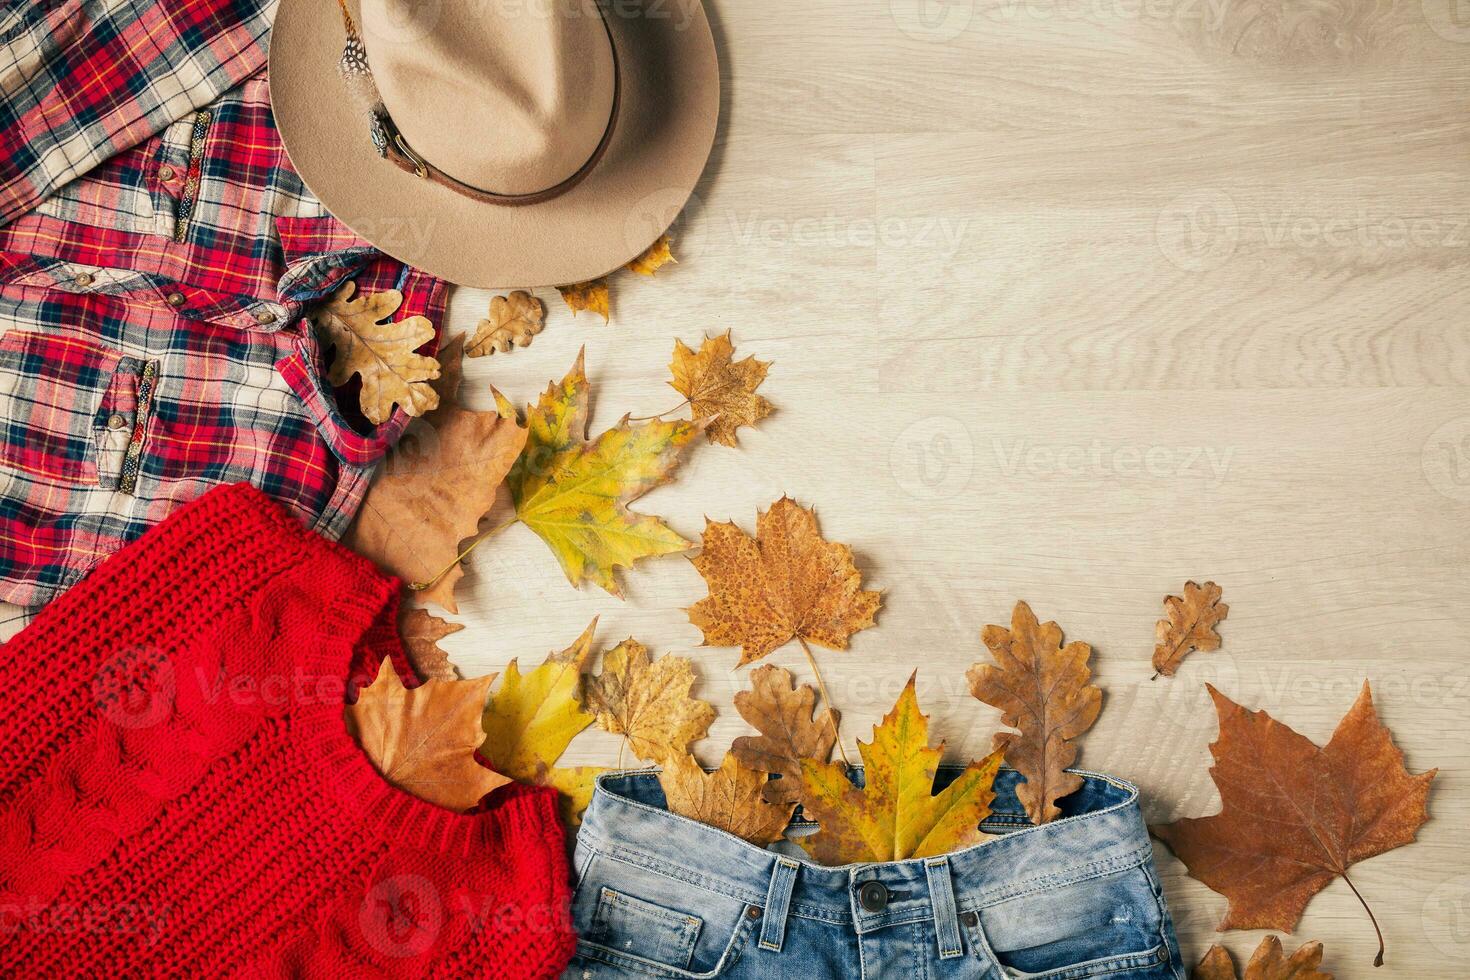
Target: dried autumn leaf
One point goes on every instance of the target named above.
(421, 634)
(896, 815)
(782, 713)
(719, 388)
(423, 739)
(728, 798)
(513, 319)
(785, 583)
(654, 258)
(434, 488)
(1294, 816)
(381, 352)
(1189, 625)
(1268, 962)
(1043, 691)
(590, 295)
(648, 702)
(532, 718)
(573, 493)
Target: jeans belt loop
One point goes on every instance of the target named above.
(941, 900)
(778, 903)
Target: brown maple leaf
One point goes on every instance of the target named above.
(1294, 816)
(782, 713)
(647, 702)
(654, 257)
(513, 320)
(590, 295)
(1042, 689)
(729, 799)
(1189, 626)
(785, 583)
(368, 343)
(719, 388)
(1269, 962)
(423, 739)
(433, 489)
(421, 634)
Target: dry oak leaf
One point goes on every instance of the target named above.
(782, 713)
(1042, 690)
(423, 739)
(1269, 962)
(421, 634)
(591, 295)
(728, 799)
(648, 702)
(513, 319)
(785, 583)
(719, 388)
(654, 257)
(370, 344)
(1189, 626)
(573, 493)
(1294, 816)
(434, 487)
(895, 816)
(532, 718)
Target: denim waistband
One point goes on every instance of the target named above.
(1101, 831)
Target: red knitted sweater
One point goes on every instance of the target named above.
(179, 795)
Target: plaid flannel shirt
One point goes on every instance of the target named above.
(154, 344)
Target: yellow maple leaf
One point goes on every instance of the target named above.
(368, 343)
(573, 493)
(729, 799)
(532, 718)
(720, 388)
(423, 739)
(654, 257)
(896, 815)
(591, 295)
(647, 702)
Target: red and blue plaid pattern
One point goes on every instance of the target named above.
(154, 345)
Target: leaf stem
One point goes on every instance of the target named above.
(421, 586)
(1378, 960)
(645, 418)
(826, 700)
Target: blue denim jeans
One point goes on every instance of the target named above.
(659, 895)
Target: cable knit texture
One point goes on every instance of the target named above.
(179, 796)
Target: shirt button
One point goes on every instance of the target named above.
(873, 896)
(264, 317)
(116, 420)
(165, 173)
(82, 279)
(176, 298)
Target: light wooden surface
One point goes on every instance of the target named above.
(1070, 301)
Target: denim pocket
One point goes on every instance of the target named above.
(1110, 926)
(652, 932)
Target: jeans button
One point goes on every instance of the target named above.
(873, 896)
(969, 920)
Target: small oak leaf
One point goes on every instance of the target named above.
(785, 583)
(422, 739)
(1042, 689)
(896, 815)
(590, 295)
(368, 343)
(782, 713)
(1269, 962)
(729, 799)
(513, 320)
(1189, 626)
(655, 257)
(719, 388)
(421, 634)
(648, 702)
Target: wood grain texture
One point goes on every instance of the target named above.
(1071, 301)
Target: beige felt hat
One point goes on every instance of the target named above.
(498, 142)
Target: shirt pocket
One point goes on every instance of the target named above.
(1110, 926)
(72, 412)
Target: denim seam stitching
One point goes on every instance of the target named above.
(1097, 869)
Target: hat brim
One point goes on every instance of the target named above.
(665, 128)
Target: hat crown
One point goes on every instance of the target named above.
(511, 96)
